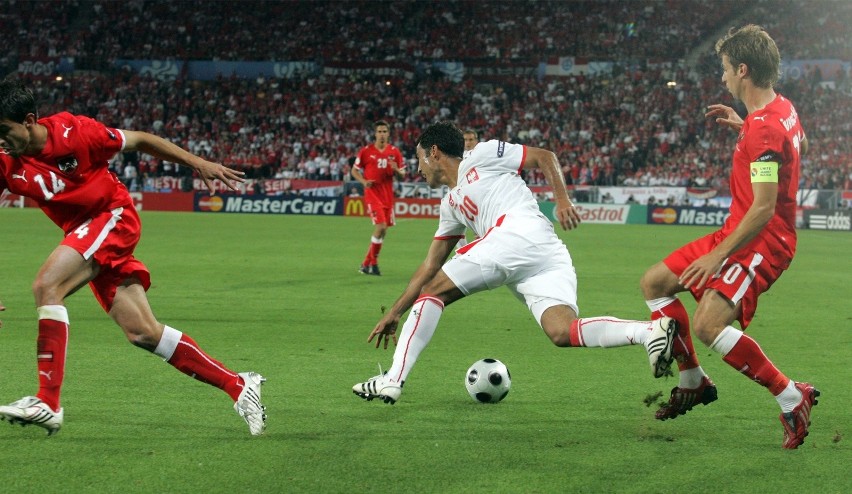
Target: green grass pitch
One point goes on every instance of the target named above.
(281, 295)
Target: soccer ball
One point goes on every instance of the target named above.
(488, 380)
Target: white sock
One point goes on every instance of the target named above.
(376, 240)
(690, 378)
(726, 340)
(607, 332)
(168, 343)
(416, 334)
(53, 312)
(658, 303)
(789, 397)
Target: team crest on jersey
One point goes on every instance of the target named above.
(67, 164)
(472, 176)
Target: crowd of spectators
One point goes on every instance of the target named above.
(367, 30)
(97, 32)
(628, 127)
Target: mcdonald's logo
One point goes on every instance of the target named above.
(354, 207)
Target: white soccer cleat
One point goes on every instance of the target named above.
(29, 410)
(248, 404)
(659, 345)
(381, 387)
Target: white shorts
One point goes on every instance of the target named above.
(524, 254)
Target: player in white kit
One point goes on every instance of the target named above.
(516, 246)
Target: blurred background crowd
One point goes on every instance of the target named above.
(640, 124)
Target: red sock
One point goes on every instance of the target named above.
(747, 357)
(372, 257)
(192, 361)
(574, 334)
(684, 351)
(52, 345)
(375, 248)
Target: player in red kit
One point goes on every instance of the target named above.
(375, 168)
(727, 270)
(61, 162)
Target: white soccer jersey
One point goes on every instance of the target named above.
(489, 186)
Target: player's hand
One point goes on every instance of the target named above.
(725, 116)
(396, 168)
(2, 308)
(385, 330)
(368, 183)
(210, 171)
(700, 271)
(567, 216)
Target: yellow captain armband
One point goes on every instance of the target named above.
(764, 171)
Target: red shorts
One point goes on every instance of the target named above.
(110, 238)
(381, 214)
(743, 277)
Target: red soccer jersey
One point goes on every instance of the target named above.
(70, 179)
(773, 133)
(375, 165)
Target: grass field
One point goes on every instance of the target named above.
(280, 295)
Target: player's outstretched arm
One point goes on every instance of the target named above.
(546, 161)
(386, 327)
(725, 116)
(160, 148)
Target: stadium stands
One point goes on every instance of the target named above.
(627, 127)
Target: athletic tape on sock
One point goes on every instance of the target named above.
(168, 343)
(53, 312)
(726, 340)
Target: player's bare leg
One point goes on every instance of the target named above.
(659, 286)
(62, 273)
(416, 333)
(713, 320)
(371, 259)
(132, 312)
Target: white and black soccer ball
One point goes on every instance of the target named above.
(488, 380)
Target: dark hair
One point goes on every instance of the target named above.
(16, 101)
(754, 47)
(471, 131)
(379, 123)
(446, 136)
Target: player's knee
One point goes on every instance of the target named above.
(559, 334)
(44, 292)
(556, 322)
(560, 339)
(649, 285)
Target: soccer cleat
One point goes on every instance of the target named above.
(796, 422)
(381, 387)
(373, 270)
(29, 410)
(248, 404)
(659, 345)
(683, 399)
